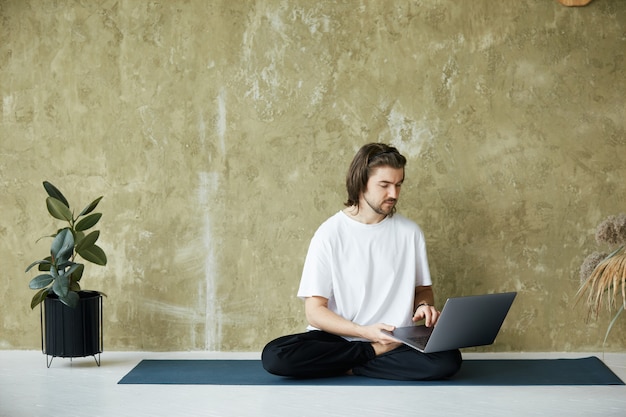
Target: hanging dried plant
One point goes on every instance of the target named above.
(612, 230)
(603, 276)
(607, 283)
(589, 264)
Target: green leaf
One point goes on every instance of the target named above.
(73, 268)
(74, 286)
(88, 222)
(61, 286)
(91, 207)
(94, 254)
(78, 235)
(55, 193)
(41, 262)
(46, 264)
(40, 281)
(62, 246)
(58, 209)
(87, 241)
(39, 297)
(70, 299)
(76, 276)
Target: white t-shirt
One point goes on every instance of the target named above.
(368, 272)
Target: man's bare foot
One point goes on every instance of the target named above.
(379, 348)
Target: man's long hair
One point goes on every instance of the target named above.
(368, 158)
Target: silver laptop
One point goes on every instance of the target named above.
(464, 322)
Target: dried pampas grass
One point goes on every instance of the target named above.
(606, 283)
(603, 276)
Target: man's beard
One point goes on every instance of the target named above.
(380, 210)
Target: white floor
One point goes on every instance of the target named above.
(80, 388)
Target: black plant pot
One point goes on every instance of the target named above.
(68, 332)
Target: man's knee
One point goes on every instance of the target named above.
(270, 359)
(280, 356)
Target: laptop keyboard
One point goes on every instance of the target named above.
(420, 340)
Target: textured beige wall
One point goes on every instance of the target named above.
(219, 133)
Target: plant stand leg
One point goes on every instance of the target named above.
(97, 359)
(48, 363)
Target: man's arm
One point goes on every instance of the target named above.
(424, 306)
(319, 316)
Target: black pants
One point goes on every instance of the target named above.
(318, 354)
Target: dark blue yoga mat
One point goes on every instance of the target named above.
(584, 371)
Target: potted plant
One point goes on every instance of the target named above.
(71, 318)
(603, 274)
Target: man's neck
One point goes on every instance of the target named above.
(362, 215)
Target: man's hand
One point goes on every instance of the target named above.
(424, 299)
(381, 341)
(375, 334)
(319, 316)
(428, 313)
